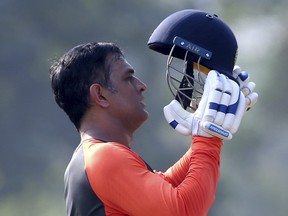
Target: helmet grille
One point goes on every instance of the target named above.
(185, 83)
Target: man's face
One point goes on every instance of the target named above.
(127, 102)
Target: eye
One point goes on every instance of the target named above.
(130, 77)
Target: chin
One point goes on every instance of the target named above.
(146, 114)
(144, 117)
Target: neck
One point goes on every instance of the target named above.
(101, 125)
(121, 138)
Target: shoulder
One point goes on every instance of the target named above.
(104, 149)
(109, 165)
(109, 157)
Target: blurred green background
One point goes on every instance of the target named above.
(37, 139)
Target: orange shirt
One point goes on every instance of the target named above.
(121, 180)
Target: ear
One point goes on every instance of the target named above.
(96, 95)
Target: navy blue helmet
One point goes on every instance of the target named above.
(202, 34)
(196, 39)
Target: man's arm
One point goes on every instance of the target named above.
(123, 183)
(177, 173)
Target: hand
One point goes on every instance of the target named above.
(183, 121)
(247, 88)
(219, 113)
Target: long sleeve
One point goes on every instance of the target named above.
(177, 173)
(121, 180)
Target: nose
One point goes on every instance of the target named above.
(141, 85)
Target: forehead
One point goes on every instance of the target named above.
(119, 65)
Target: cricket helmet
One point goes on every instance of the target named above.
(197, 38)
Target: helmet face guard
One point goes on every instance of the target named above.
(185, 78)
(193, 39)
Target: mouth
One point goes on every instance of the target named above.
(142, 102)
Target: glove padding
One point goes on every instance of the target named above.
(219, 113)
(246, 87)
(183, 121)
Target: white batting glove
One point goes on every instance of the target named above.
(219, 113)
(183, 121)
(246, 87)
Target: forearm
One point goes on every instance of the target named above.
(203, 173)
(177, 173)
(196, 174)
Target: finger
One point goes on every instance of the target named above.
(251, 99)
(239, 114)
(225, 100)
(177, 117)
(236, 71)
(232, 107)
(214, 95)
(243, 77)
(248, 88)
(203, 102)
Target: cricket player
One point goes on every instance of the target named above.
(99, 91)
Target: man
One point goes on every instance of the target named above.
(97, 88)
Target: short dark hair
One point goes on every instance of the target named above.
(73, 74)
